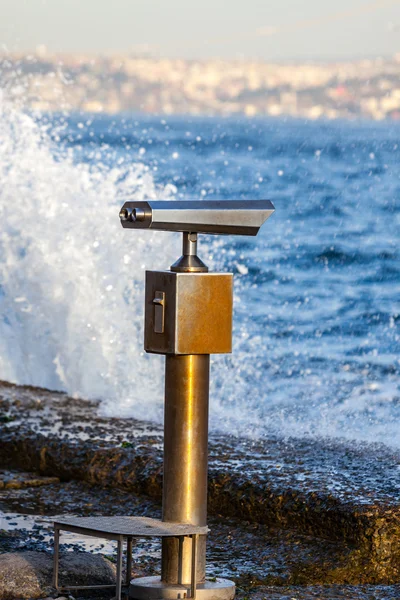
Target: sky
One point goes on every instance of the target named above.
(282, 30)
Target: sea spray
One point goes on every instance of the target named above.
(70, 279)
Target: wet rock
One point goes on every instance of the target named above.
(344, 493)
(327, 592)
(29, 574)
(18, 479)
(249, 553)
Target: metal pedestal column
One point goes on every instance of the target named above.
(187, 379)
(188, 316)
(185, 459)
(187, 382)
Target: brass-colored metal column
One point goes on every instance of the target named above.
(188, 317)
(185, 459)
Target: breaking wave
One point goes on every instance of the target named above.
(315, 345)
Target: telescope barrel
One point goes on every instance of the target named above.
(237, 217)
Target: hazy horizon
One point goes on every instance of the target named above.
(45, 52)
(285, 32)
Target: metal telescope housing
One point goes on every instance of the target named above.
(188, 317)
(237, 217)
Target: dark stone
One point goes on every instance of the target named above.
(326, 592)
(341, 492)
(29, 574)
(17, 480)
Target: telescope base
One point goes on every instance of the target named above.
(148, 588)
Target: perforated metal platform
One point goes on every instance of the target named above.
(130, 526)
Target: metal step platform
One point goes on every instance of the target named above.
(124, 529)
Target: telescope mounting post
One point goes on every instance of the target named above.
(188, 316)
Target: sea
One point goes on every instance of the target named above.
(316, 341)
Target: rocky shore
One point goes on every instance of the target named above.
(289, 518)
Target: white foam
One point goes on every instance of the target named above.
(71, 280)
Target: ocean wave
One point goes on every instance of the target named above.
(316, 327)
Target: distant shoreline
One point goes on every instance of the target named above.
(366, 89)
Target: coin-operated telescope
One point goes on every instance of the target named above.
(188, 316)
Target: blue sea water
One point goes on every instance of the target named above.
(317, 293)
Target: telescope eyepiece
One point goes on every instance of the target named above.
(138, 214)
(135, 214)
(124, 214)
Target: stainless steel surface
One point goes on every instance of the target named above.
(195, 539)
(56, 556)
(189, 243)
(185, 459)
(138, 214)
(189, 261)
(124, 214)
(119, 568)
(197, 313)
(135, 212)
(131, 526)
(152, 588)
(128, 561)
(238, 217)
(86, 587)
